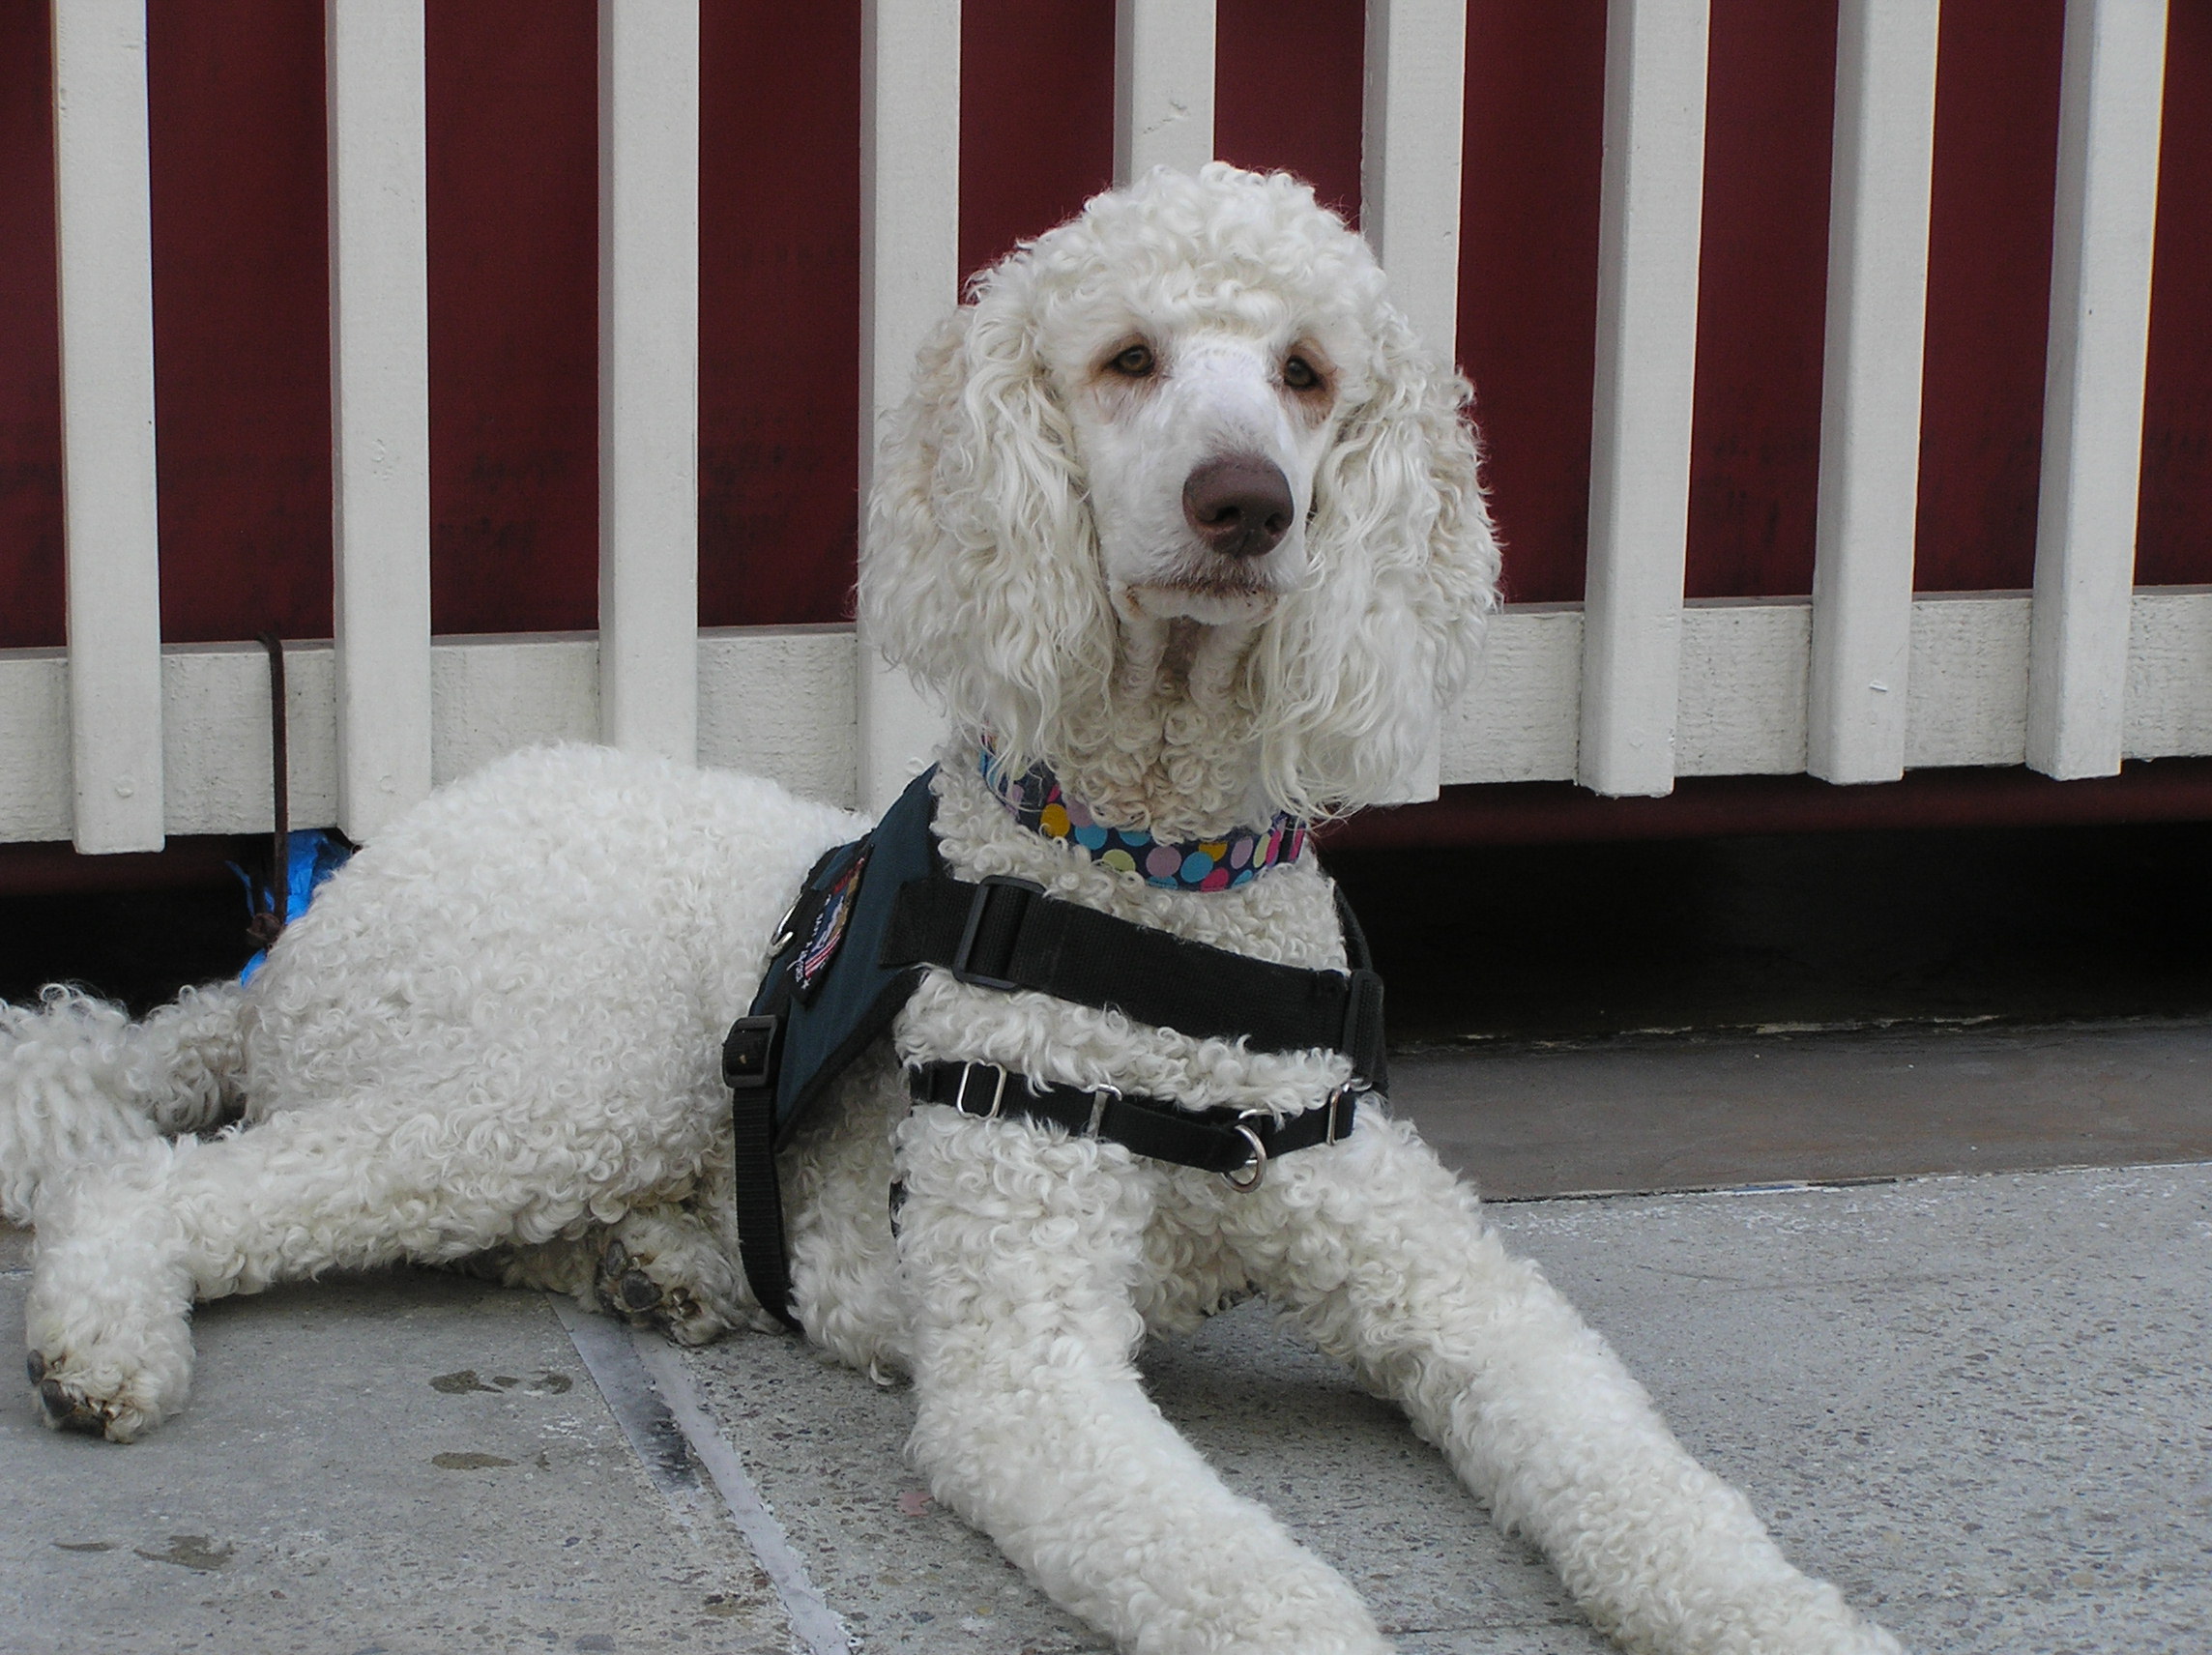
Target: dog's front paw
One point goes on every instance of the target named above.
(70, 1401)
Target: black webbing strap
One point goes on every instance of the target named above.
(1009, 934)
(1236, 1143)
(757, 1193)
(751, 1053)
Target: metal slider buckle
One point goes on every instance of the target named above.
(1257, 1166)
(961, 963)
(1099, 1097)
(998, 1093)
(1362, 1002)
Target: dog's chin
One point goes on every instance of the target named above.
(1183, 638)
(1209, 603)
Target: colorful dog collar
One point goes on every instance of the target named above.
(1037, 802)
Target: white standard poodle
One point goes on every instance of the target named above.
(1182, 524)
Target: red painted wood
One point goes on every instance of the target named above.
(1036, 119)
(30, 360)
(241, 317)
(1288, 81)
(779, 305)
(1527, 279)
(1558, 812)
(1989, 293)
(512, 117)
(241, 312)
(1755, 454)
(2174, 543)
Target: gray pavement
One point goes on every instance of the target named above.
(403, 1465)
(1978, 1402)
(1810, 1104)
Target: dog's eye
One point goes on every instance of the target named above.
(1135, 362)
(1299, 374)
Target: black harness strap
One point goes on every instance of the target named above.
(1007, 934)
(1225, 1140)
(757, 1195)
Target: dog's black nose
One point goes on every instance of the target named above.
(1241, 504)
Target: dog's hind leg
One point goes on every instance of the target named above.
(1380, 1251)
(1021, 1252)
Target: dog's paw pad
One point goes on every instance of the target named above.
(630, 1286)
(35, 1364)
(687, 1321)
(66, 1410)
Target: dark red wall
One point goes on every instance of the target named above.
(242, 386)
(1763, 283)
(1988, 292)
(512, 108)
(1036, 119)
(30, 360)
(2173, 544)
(241, 314)
(1527, 275)
(1288, 76)
(779, 305)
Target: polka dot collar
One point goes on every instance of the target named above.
(1234, 859)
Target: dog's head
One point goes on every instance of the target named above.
(1177, 475)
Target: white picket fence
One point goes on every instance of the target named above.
(116, 741)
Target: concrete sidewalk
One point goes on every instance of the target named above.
(1979, 1403)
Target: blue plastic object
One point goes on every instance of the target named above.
(312, 855)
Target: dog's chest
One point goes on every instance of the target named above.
(1288, 915)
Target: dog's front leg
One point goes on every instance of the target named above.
(1019, 1250)
(1382, 1252)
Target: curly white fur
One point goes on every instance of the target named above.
(493, 1040)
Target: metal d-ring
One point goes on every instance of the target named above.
(783, 932)
(1257, 1166)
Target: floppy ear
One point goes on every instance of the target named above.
(1369, 652)
(980, 570)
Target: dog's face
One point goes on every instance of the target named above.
(1179, 485)
(1201, 441)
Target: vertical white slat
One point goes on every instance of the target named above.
(110, 526)
(909, 276)
(2110, 97)
(1163, 86)
(649, 376)
(1652, 196)
(380, 412)
(1410, 157)
(1870, 414)
(1409, 195)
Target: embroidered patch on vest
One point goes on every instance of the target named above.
(828, 926)
(1234, 859)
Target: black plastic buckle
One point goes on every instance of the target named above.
(963, 962)
(749, 1053)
